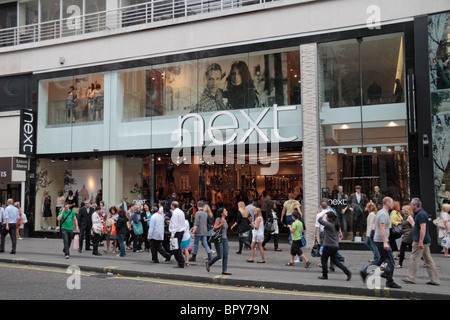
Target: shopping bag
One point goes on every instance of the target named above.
(76, 242)
(315, 251)
(174, 244)
(445, 242)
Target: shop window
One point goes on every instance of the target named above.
(60, 180)
(363, 124)
(72, 100)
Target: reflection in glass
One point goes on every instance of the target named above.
(363, 117)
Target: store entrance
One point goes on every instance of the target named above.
(224, 185)
(9, 191)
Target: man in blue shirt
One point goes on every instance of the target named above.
(421, 246)
(9, 225)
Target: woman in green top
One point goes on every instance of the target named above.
(296, 247)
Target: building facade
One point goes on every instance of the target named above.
(224, 100)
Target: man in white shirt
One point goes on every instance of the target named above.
(9, 225)
(156, 236)
(176, 228)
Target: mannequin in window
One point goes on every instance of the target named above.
(46, 210)
(398, 93)
(374, 93)
(98, 102)
(70, 104)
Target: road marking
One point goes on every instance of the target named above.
(255, 290)
(34, 268)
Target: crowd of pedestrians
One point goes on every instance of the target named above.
(165, 230)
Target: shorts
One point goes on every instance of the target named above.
(257, 237)
(296, 247)
(185, 244)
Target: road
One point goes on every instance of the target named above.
(47, 283)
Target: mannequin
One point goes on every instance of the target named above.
(46, 210)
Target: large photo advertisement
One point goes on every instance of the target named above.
(222, 83)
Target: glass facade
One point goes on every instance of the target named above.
(145, 108)
(363, 121)
(439, 49)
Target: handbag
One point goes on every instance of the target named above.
(138, 229)
(303, 242)
(439, 222)
(315, 251)
(216, 236)
(397, 229)
(269, 227)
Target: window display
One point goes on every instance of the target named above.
(75, 99)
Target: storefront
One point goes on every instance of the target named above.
(309, 114)
(222, 129)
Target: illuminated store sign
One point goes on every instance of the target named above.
(234, 125)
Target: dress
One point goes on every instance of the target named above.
(47, 207)
(443, 232)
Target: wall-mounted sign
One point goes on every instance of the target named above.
(28, 126)
(20, 164)
(5, 170)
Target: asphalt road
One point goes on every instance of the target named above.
(26, 282)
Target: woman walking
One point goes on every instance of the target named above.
(331, 244)
(407, 240)
(258, 236)
(222, 246)
(243, 226)
(370, 231)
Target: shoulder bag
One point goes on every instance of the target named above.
(439, 222)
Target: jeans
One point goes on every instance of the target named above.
(371, 245)
(289, 221)
(222, 253)
(384, 256)
(67, 236)
(343, 221)
(204, 244)
(121, 239)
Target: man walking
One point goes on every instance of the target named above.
(199, 231)
(9, 225)
(156, 235)
(381, 239)
(85, 225)
(67, 219)
(421, 246)
(176, 228)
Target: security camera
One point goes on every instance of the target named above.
(62, 60)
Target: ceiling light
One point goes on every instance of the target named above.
(392, 124)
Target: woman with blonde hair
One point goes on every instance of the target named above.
(371, 208)
(407, 227)
(258, 236)
(445, 215)
(243, 220)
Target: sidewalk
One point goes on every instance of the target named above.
(273, 274)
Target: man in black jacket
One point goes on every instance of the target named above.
(85, 224)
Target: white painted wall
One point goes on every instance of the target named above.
(287, 18)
